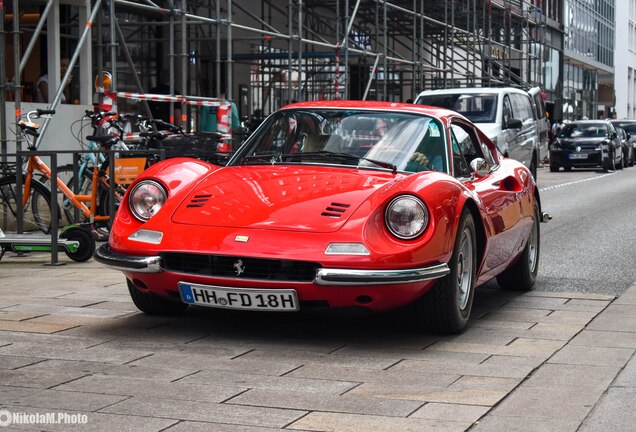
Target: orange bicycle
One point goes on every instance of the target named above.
(36, 197)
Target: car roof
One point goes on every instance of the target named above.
(584, 122)
(375, 105)
(474, 90)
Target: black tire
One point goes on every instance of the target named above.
(533, 167)
(631, 161)
(37, 212)
(446, 307)
(625, 161)
(86, 243)
(554, 168)
(154, 304)
(611, 165)
(620, 163)
(522, 275)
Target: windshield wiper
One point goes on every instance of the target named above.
(270, 158)
(324, 154)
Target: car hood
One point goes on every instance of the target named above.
(285, 197)
(491, 130)
(583, 142)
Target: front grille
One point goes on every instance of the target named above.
(239, 267)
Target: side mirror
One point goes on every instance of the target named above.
(514, 123)
(479, 167)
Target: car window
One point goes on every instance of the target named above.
(507, 110)
(584, 130)
(358, 138)
(521, 107)
(465, 147)
(478, 107)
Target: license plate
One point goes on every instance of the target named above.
(239, 298)
(578, 156)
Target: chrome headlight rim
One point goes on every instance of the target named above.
(425, 216)
(163, 195)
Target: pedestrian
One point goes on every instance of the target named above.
(212, 116)
(556, 128)
(42, 84)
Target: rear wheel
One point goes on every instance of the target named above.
(533, 167)
(446, 307)
(153, 304)
(522, 275)
(611, 165)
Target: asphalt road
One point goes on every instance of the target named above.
(590, 245)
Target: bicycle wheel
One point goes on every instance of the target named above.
(85, 187)
(64, 173)
(36, 213)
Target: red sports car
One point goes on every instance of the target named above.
(342, 204)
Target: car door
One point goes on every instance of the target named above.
(497, 190)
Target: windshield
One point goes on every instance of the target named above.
(587, 130)
(369, 139)
(629, 127)
(478, 108)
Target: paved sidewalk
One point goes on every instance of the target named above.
(72, 342)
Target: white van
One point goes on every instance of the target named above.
(506, 115)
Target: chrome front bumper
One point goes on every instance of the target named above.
(125, 262)
(324, 276)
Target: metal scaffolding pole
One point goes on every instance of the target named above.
(17, 86)
(36, 34)
(3, 90)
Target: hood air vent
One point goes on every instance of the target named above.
(335, 210)
(198, 201)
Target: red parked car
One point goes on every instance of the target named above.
(343, 204)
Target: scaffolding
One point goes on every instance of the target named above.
(272, 52)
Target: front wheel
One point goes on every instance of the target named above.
(554, 168)
(154, 304)
(522, 275)
(446, 307)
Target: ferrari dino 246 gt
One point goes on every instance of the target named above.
(336, 204)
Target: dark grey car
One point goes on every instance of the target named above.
(586, 144)
(629, 126)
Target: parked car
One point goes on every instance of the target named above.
(541, 121)
(506, 115)
(626, 145)
(630, 127)
(585, 144)
(332, 205)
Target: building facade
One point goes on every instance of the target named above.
(625, 59)
(588, 70)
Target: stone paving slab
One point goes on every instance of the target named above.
(528, 362)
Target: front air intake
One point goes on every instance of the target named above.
(335, 210)
(198, 201)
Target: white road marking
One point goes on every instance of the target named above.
(574, 182)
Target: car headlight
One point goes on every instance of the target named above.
(146, 198)
(406, 217)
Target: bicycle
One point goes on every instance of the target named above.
(36, 197)
(102, 124)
